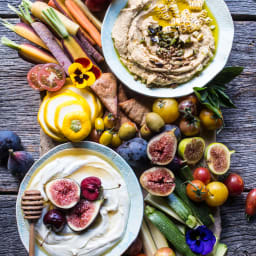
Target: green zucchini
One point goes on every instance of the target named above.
(182, 210)
(185, 173)
(161, 204)
(169, 230)
(201, 211)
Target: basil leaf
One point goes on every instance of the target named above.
(227, 75)
(204, 95)
(213, 109)
(197, 89)
(225, 100)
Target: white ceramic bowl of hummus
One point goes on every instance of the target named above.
(113, 26)
(120, 217)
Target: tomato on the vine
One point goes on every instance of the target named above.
(109, 121)
(190, 126)
(106, 138)
(251, 203)
(196, 191)
(202, 174)
(217, 194)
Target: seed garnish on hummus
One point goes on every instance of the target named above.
(108, 228)
(165, 42)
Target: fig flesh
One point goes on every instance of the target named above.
(191, 149)
(83, 214)
(158, 181)
(19, 163)
(217, 157)
(162, 148)
(63, 193)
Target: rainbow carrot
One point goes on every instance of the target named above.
(83, 21)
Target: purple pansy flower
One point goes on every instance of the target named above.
(200, 240)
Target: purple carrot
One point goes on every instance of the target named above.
(88, 48)
(46, 35)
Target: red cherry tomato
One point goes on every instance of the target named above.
(202, 174)
(165, 251)
(235, 184)
(251, 203)
(51, 77)
(32, 77)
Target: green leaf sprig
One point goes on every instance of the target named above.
(213, 95)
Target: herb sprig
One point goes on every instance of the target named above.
(213, 95)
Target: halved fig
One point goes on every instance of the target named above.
(191, 149)
(217, 157)
(162, 148)
(83, 214)
(158, 181)
(63, 193)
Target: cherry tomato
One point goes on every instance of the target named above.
(109, 121)
(235, 184)
(196, 191)
(190, 126)
(217, 194)
(187, 107)
(250, 209)
(116, 141)
(141, 254)
(51, 77)
(165, 251)
(167, 109)
(202, 174)
(32, 77)
(99, 124)
(94, 135)
(191, 97)
(106, 138)
(210, 120)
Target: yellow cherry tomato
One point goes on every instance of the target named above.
(116, 141)
(99, 124)
(168, 109)
(109, 121)
(106, 138)
(76, 126)
(210, 120)
(217, 194)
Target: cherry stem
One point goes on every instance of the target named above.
(119, 185)
(48, 233)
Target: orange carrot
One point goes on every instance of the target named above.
(52, 4)
(83, 21)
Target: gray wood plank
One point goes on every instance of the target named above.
(240, 9)
(19, 105)
(237, 233)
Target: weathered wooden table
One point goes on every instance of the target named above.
(18, 112)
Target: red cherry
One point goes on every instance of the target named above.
(90, 188)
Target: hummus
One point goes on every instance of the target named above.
(163, 42)
(109, 226)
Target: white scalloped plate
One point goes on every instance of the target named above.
(134, 190)
(226, 34)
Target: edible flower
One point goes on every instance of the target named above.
(200, 240)
(80, 75)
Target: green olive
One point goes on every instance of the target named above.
(154, 122)
(145, 132)
(127, 131)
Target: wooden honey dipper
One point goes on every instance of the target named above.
(32, 206)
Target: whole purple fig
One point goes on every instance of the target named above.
(19, 163)
(9, 140)
(176, 164)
